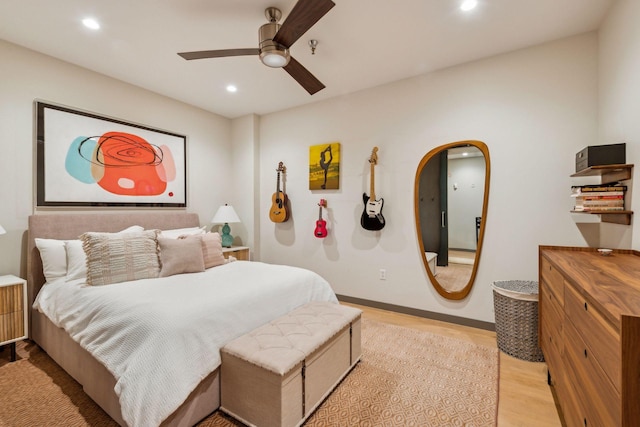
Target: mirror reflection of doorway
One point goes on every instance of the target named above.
(451, 202)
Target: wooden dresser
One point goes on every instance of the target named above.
(589, 317)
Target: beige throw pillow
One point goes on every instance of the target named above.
(115, 257)
(180, 256)
(211, 248)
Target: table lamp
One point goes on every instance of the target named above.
(225, 215)
(2, 230)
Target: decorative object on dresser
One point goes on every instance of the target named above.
(279, 211)
(225, 215)
(589, 325)
(321, 225)
(372, 218)
(2, 230)
(13, 311)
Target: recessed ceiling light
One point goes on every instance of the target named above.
(232, 88)
(468, 5)
(91, 23)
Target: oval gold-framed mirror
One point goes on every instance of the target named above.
(451, 195)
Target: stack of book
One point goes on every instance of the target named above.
(589, 198)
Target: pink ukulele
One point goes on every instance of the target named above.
(321, 225)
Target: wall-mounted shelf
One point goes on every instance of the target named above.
(615, 217)
(609, 174)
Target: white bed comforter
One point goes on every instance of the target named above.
(161, 337)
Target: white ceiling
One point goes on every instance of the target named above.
(362, 43)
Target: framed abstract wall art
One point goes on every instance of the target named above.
(324, 166)
(84, 159)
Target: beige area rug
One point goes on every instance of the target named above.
(406, 378)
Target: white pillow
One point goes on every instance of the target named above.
(62, 258)
(132, 229)
(76, 260)
(178, 232)
(54, 258)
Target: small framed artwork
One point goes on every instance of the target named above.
(324, 166)
(85, 159)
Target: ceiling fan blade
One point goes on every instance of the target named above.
(302, 17)
(303, 77)
(202, 54)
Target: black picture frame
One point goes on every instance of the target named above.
(85, 159)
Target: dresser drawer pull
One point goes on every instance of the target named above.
(585, 306)
(585, 353)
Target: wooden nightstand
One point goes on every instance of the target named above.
(241, 253)
(13, 311)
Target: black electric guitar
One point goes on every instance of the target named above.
(279, 210)
(372, 218)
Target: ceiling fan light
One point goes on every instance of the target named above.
(274, 59)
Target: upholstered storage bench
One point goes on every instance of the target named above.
(279, 373)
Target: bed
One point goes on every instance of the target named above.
(99, 377)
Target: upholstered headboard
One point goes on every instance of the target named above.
(70, 226)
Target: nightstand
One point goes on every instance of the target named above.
(13, 311)
(241, 253)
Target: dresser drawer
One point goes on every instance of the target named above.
(11, 298)
(573, 412)
(601, 401)
(551, 321)
(11, 312)
(600, 338)
(11, 326)
(553, 279)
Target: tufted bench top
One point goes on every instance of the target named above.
(283, 343)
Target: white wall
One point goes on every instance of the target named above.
(464, 197)
(244, 181)
(619, 101)
(534, 108)
(26, 75)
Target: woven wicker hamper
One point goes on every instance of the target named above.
(516, 309)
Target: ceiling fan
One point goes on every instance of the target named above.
(275, 41)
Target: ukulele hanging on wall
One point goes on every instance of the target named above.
(321, 225)
(279, 211)
(372, 218)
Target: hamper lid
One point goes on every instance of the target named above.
(518, 289)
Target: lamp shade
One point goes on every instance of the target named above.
(225, 214)
(2, 230)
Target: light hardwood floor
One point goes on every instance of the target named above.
(525, 399)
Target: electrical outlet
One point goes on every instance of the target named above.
(383, 274)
